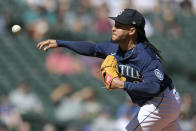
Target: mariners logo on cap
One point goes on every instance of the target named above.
(158, 74)
(133, 22)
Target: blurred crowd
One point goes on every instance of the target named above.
(79, 110)
(85, 19)
(41, 18)
(70, 108)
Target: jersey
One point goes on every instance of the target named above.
(140, 61)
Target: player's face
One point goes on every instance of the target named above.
(120, 32)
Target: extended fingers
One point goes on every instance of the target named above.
(46, 48)
(43, 43)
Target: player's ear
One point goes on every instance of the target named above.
(132, 30)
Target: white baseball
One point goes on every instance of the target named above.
(16, 29)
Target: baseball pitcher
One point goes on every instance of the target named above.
(133, 65)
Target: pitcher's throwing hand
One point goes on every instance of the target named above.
(47, 44)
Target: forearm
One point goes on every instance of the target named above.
(83, 48)
(148, 89)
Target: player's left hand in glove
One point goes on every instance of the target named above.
(109, 71)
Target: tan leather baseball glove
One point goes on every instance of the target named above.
(109, 70)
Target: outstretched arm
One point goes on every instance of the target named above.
(80, 47)
(83, 48)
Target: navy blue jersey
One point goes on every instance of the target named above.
(140, 61)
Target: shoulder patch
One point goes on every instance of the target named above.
(158, 74)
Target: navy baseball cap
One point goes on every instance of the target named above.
(130, 17)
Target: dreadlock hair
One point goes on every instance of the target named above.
(142, 38)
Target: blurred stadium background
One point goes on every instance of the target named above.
(60, 90)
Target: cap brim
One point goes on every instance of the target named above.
(117, 20)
